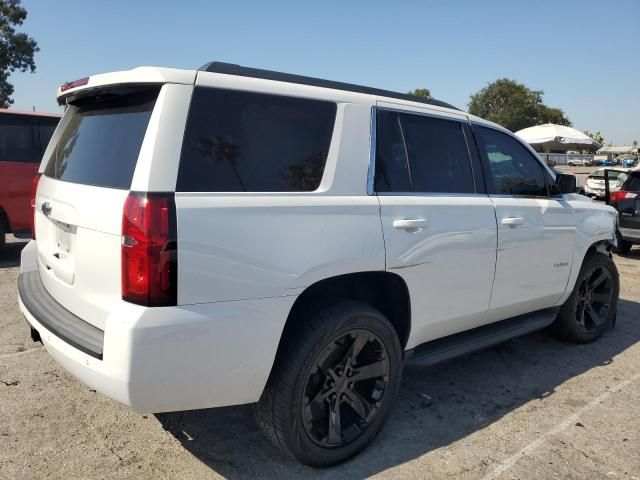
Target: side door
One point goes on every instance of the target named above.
(439, 225)
(536, 232)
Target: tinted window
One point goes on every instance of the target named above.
(240, 141)
(437, 154)
(392, 170)
(511, 169)
(17, 140)
(633, 184)
(45, 131)
(101, 142)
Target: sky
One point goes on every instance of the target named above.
(584, 54)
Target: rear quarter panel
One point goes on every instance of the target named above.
(257, 245)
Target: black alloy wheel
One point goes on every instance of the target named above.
(594, 299)
(345, 388)
(333, 383)
(591, 308)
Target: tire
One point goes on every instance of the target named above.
(623, 245)
(311, 379)
(591, 308)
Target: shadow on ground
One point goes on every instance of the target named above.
(466, 395)
(10, 254)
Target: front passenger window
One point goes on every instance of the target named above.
(511, 169)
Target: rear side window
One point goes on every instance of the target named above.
(438, 155)
(511, 169)
(250, 142)
(101, 142)
(17, 139)
(392, 167)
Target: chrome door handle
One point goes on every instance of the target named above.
(410, 224)
(512, 221)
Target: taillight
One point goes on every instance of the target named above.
(34, 190)
(621, 195)
(149, 249)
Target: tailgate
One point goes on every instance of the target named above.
(80, 199)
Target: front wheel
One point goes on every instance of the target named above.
(333, 383)
(591, 308)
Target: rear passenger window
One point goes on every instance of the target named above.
(249, 142)
(511, 169)
(392, 168)
(17, 140)
(438, 155)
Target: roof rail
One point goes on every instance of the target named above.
(233, 69)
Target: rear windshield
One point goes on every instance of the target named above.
(100, 144)
(633, 184)
(599, 175)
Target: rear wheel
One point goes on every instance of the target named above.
(333, 384)
(591, 308)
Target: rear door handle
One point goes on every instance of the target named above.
(512, 221)
(410, 223)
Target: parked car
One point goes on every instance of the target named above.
(23, 138)
(629, 162)
(580, 162)
(627, 201)
(233, 235)
(594, 186)
(605, 163)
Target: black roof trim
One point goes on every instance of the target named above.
(239, 70)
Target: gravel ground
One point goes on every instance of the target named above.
(531, 408)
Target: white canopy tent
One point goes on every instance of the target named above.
(557, 137)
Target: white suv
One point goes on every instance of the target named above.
(231, 235)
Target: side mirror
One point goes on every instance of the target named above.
(564, 183)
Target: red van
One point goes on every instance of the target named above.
(23, 139)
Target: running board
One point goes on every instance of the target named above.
(446, 348)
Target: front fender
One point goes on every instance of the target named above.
(595, 229)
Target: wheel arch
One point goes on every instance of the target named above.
(602, 245)
(384, 291)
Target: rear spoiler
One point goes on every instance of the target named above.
(135, 76)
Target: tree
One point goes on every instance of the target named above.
(635, 143)
(422, 93)
(514, 106)
(596, 136)
(16, 49)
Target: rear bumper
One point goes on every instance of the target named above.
(172, 358)
(594, 191)
(57, 319)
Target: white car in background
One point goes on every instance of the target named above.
(580, 162)
(595, 186)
